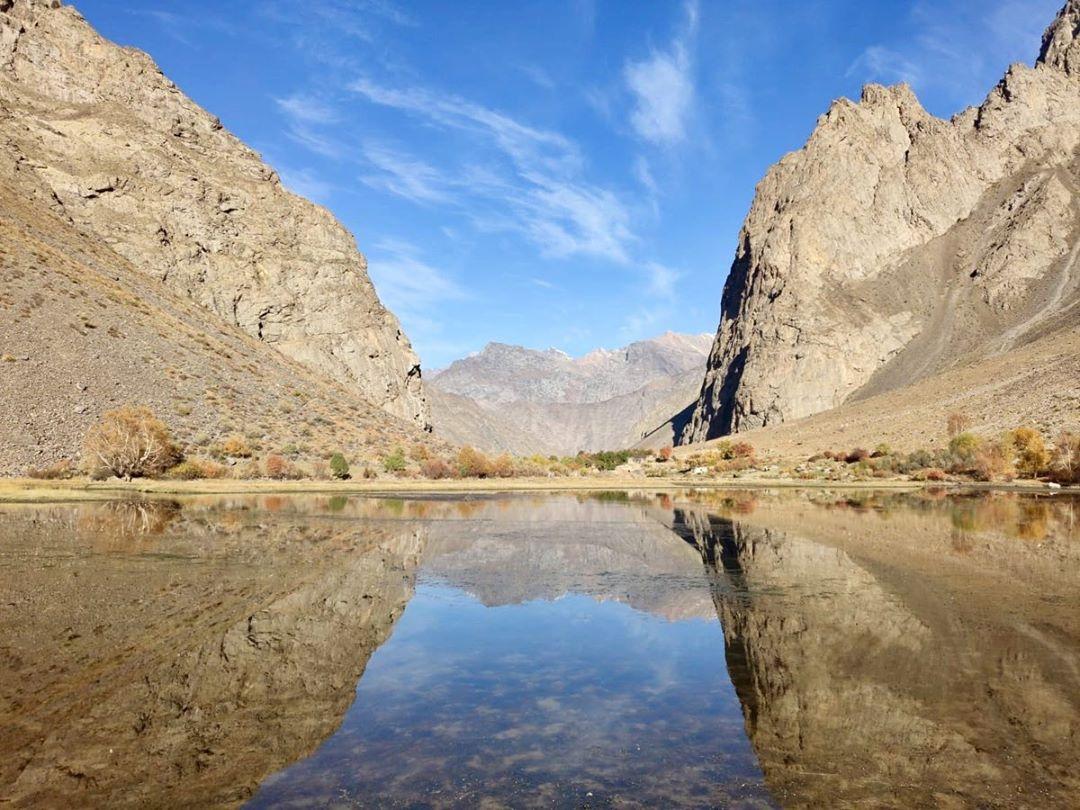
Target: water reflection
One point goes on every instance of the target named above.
(154, 656)
(698, 649)
(555, 653)
(874, 667)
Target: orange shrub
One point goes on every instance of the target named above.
(276, 466)
(237, 447)
(436, 468)
(61, 469)
(503, 467)
(471, 463)
(664, 454)
(993, 461)
(743, 450)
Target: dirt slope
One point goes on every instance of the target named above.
(1037, 384)
(82, 331)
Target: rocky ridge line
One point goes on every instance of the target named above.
(895, 245)
(98, 135)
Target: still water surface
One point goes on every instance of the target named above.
(690, 649)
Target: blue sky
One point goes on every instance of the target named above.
(567, 173)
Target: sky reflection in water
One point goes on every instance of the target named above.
(572, 701)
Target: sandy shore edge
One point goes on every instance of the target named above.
(23, 490)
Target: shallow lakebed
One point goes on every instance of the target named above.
(701, 649)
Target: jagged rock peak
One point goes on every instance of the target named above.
(1061, 42)
(896, 243)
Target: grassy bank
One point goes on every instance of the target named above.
(16, 490)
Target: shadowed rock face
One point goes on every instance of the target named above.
(201, 652)
(97, 135)
(863, 681)
(895, 244)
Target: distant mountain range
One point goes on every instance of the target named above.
(524, 401)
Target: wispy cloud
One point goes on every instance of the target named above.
(356, 19)
(880, 64)
(663, 87)
(307, 109)
(306, 183)
(409, 286)
(661, 280)
(405, 176)
(643, 174)
(536, 187)
(181, 27)
(316, 142)
(958, 46)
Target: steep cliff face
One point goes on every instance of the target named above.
(895, 244)
(95, 133)
(518, 400)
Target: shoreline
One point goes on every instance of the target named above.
(30, 490)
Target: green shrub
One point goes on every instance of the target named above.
(964, 447)
(339, 467)
(394, 462)
(185, 471)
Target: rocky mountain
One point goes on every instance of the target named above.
(96, 136)
(83, 330)
(895, 245)
(513, 399)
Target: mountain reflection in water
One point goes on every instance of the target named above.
(734, 649)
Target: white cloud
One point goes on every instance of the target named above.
(536, 188)
(405, 176)
(307, 109)
(663, 87)
(880, 64)
(410, 287)
(305, 183)
(661, 280)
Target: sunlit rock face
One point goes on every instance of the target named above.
(96, 134)
(863, 681)
(895, 243)
(211, 647)
(520, 550)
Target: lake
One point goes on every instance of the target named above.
(700, 649)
